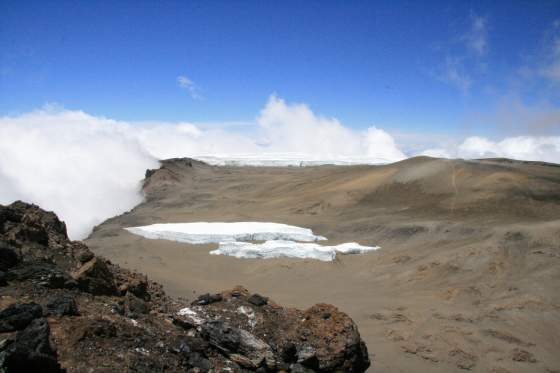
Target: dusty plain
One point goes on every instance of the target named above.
(468, 276)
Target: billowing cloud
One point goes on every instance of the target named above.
(84, 168)
(294, 128)
(88, 168)
(521, 147)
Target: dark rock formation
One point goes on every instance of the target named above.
(95, 277)
(62, 305)
(100, 315)
(205, 299)
(8, 257)
(31, 351)
(257, 300)
(18, 316)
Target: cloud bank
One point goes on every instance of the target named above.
(88, 168)
(529, 148)
(84, 168)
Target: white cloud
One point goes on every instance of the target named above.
(529, 148)
(551, 69)
(454, 74)
(465, 61)
(88, 168)
(190, 86)
(296, 129)
(477, 37)
(521, 147)
(84, 168)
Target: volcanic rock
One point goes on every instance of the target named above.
(18, 316)
(257, 300)
(31, 351)
(62, 305)
(127, 323)
(8, 257)
(95, 278)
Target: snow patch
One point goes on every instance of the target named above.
(202, 232)
(291, 249)
(191, 314)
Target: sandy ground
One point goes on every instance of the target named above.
(468, 276)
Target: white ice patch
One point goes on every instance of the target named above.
(201, 233)
(290, 249)
(191, 314)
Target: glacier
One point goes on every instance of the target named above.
(291, 249)
(234, 238)
(286, 160)
(203, 232)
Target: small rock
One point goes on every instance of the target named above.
(206, 299)
(95, 278)
(62, 305)
(257, 300)
(18, 316)
(289, 353)
(307, 356)
(242, 361)
(134, 305)
(8, 257)
(523, 356)
(197, 360)
(138, 287)
(84, 255)
(118, 308)
(221, 336)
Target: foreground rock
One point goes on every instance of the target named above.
(63, 309)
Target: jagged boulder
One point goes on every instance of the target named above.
(321, 338)
(18, 316)
(27, 223)
(31, 351)
(334, 339)
(134, 306)
(240, 346)
(95, 278)
(137, 286)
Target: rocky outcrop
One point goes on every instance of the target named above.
(250, 326)
(94, 277)
(64, 309)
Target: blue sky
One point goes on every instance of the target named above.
(454, 68)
